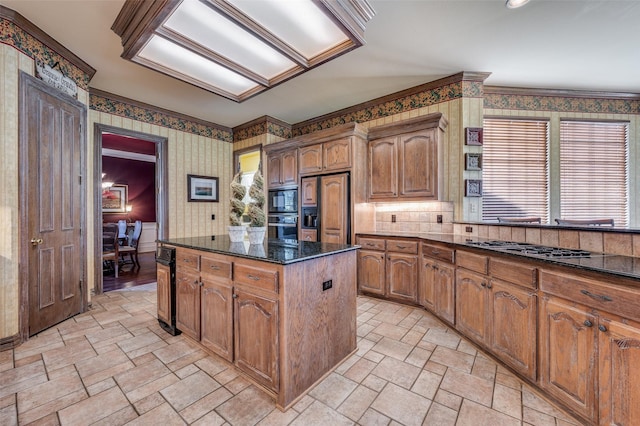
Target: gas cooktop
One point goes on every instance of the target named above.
(532, 249)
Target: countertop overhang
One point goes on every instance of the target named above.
(271, 250)
(612, 264)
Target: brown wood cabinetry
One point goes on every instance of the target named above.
(325, 157)
(496, 305)
(282, 169)
(309, 192)
(390, 269)
(284, 341)
(403, 159)
(334, 213)
(308, 234)
(163, 279)
(589, 357)
(436, 285)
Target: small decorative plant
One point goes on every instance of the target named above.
(238, 191)
(256, 206)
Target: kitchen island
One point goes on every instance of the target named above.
(283, 312)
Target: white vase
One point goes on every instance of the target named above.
(236, 233)
(256, 234)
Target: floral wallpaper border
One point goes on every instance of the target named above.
(561, 104)
(263, 127)
(402, 104)
(12, 35)
(147, 115)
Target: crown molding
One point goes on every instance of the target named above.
(563, 93)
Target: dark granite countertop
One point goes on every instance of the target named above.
(612, 264)
(271, 250)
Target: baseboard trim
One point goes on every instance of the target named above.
(7, 343)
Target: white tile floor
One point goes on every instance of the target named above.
(114, 365)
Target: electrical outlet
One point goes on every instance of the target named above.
(213, 217)
(439, 218)
(327, 285)
(468, 229)
(473, 208)
(393, 218)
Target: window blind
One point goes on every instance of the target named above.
(594, 170)
(515, 169)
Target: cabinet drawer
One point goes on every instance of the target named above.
(515, 273)
(256, 277)
(402, 246)
(215, 267)
(371, 243)
(187, 259)
(597, 294)
(438, 252)
(472, 261)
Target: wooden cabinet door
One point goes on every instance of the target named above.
(308, 235)
(337, 154)
(310, 159)
(163, 278)
(289, 168)
(427, 285)
(444, 287)
(472, 309)
(309, 192)
(256, 337)
(216, 327)
(513, 326)
(334, 214)
(619, 368)
(383, 174)
(402, 276)
(188, 303)
(274, 164)
(567, 339)
(371, 271)
(418, 165)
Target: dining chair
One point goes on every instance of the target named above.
(133, 242)
(110, 246)
(519, 220)
(122, 231)
(585, 222)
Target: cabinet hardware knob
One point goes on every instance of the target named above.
(483, 284)
(253, 277)
(215, 267)
(588, 323)
(36, 241)
(401, 247)
(435, 267)
(196, 282)
(602, 328)
(235, 296)
(489, 285)
(435, 251)
(601, 297)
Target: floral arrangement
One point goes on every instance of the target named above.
(256, 206)
(238, 191)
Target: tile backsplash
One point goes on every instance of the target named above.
(414, 217)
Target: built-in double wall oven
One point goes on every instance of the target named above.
(283, 214)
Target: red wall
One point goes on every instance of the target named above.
(140, 176)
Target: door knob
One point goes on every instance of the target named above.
(35, 241)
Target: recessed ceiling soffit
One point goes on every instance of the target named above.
(239, 48)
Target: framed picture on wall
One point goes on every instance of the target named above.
(114, 199)
(473, 161)
(473, 136)
(473, 188)
(202, 188)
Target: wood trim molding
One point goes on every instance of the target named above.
(563, 93)
(46, 39)
(332, 133)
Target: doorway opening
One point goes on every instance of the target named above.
(130, 188)
(248, 162)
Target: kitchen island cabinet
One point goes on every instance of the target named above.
(284, 313)
(282, 169)
(436, 285)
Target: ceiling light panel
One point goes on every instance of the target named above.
(299, 23)
(206, 27)
(169, 55)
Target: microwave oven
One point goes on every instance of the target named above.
(283, 201)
